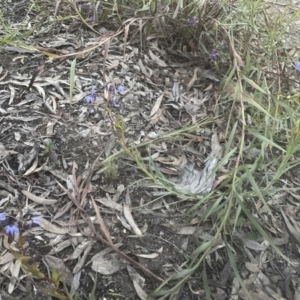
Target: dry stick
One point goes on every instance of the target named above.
(87, 181)
(107, 240)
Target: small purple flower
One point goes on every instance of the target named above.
(163, 7)
(120, 89)
(298, 65)
(35, 220)
(192, 20)
(2, 216)
(91, 97)
(11, 229)
(100, 11)
(92, 19)
(113, 103)
(214, 54)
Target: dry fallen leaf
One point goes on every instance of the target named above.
(129, 219)
(57, 264)
(38, 199)
(52, 228)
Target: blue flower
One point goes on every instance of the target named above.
(214, 54)
(11, 229)
(113, 103)
(36, 220)
(2, 216)
(298, 65)
(91, 97)
(192, 20)
(120, 89)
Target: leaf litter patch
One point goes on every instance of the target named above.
(81, 219)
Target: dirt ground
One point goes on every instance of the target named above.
(68, 138)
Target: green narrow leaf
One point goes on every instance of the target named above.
(153, 6)
(178, 7)
(53, 293)
(201, 248)
(234, 267)
(205, 282)
(250, 100)
(264, 139)
(55, 278)
(260, 229)
(231, 137)
(72, 79)
(258, 191)
(214, 208)
(92, 294)
(254, 85)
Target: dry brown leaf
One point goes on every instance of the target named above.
(111, 204)
(292, 229)
(208, 88)
(129, 219)
(188, 230)
(52, 228)
(108, 263)
(57, 264)
(170, 160)
(60, 174)
(156, 106)
(81, 261)
(160, 62)
(252, 267)
(7, 257)
(37, 199)
(143, 69)
(138, 282)
(150, 256)
(61, 246)
(192, 81)
(33, 169)
(14, 270)
(12, 94)
(79, 249)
